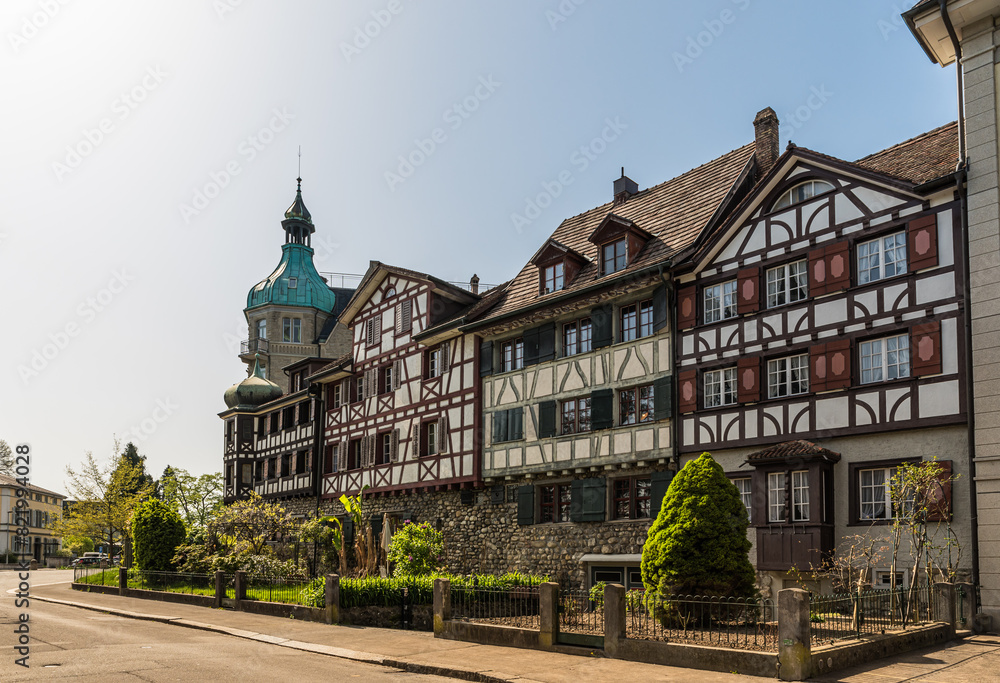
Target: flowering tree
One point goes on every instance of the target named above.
(416, 550)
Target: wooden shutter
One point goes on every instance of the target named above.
(817, 272)
(415, 439)
(546, 419)
(921, 243)
(394, 446)
(659, 484)
(397, 373)
(925, 349)
(939, 503)
(602, 409)
(370, 331)
(687, 391)
(602, 328)
(515, 418)
(586, 502)
(663, 398)
(837, 257)
(445, 360)
(818, 368)
(748, 379)
(748, 290)
(525, 505)
(546, 342)
(378, 328)
(687, 307)
(485, 359)
(342, 456)
(530, 338)
(442, 434)
(659, 308)
(404, 316)
(838, 364)
(500, 426)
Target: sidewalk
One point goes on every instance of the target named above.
(412, 651)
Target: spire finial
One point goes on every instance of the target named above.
(299, 179)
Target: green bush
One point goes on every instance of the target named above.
(416, 550)
(157, 530)
(698, 544)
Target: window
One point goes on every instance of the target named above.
(882, 579)
(745, 487)
(882, 257)
(632, 497)
(385, 380)
(636, 405)
(274, 422)
(552, 278)
(335, 395)
(885, 359)
(576, 337)
(719, 387)
(301, 462)
(262, 328)
(330, 462)
(391, 292)
(874, 487)
(788, 376)
(430, 438)
(354, 454)
(293, 283)
(305, 409)
(776, 497)
(800, 496)
(384, 453)
(508, 425)
(613, 256)
(512, 355)
(802, 192)
(291, 330)
(637, 320)
(720, 301)
(554, 503)
(576, 416)
(286, 464)
(787, 284)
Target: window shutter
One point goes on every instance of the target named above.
(525, 505)
(818, 370)
(925, 349)
(687, 391)
(394, 445)
(660, 482)
(530, 338)
(663, 397)
(546, 342)
(485, 359)
(415, 439)
(818, 275)
(838, 364)
(404, 316)
(586, 503)
(939, 503)
(546, 419)
(748, 290)
(659, 308)
(342, 456)
(442, 434)
(370, 331)
(499, 426)
(515, 418)
(748, 379)
(378, 327)
(366, 442)
(445, 361)
(602, 409)
(347, 524)
(397, 373)
(376, 524)
(397, 316)
(687, 307)
(921, 243)
(838, 266)
(602, 330)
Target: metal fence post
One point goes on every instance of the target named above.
(614, 618)
(965, 594)
(122, 580)
(944, 607)
(442, 605)
(220, 588)
(548, 613)
(794, 648)
(332, 601)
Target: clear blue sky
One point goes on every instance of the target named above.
(120, 113)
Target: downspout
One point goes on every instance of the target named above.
(961, 175)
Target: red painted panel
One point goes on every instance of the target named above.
(818, 368)
(925, 349)
(687, 389)
(748, 379)
(687, 307)
(748, 290)
(837, 257)
(921, 242)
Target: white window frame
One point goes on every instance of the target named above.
(785, 286)
(788, 376)
(434, 363)
(293, 283)
(432, 445)
(291, 330)
(800, 496)
(775, 497)
(719, 387)
(720, 302)
(879, 572)
(875, 258)
(558, 281)
(879, 363)
(883, 498)
(745, 486)
(801, 193)
(262, 328)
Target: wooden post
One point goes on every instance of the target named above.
(442, 605)
(794, 648)
(548, 612)
(614, 618)
(332, 601)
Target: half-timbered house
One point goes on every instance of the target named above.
(821, 343)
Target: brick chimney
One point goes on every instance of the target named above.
(765, 127)
(474, 284)
(625, 187)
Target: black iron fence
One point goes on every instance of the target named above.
(515, 606)
(738, 623)
(581, 612)
(289, 589)
(175, 582)
(853, 615)
(95, 575)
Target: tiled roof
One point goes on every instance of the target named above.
(793, 449)
(674, 212)
(6, 480)
(918, 160)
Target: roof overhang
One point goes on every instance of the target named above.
(929, 27)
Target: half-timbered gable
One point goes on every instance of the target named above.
(828, 308)
(401, 414)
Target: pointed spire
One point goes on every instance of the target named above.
(257, 371)
(298, 208)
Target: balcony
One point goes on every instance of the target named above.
(251, 346)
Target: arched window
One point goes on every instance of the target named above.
(390, 292)
(802, 192)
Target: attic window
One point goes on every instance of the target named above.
(293, 282)
(802, 192)
(390, 292)
(614, 256)
(552, 278)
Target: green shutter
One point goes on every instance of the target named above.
(486, 359)
(602, 409)
(663, 398)
(659, 308)
(602, 330)
(348, 525)
(586, 503)
(525, 505)
(530, 338)
(376, 522)
(659, 485)
(546, 419)
(547, 342)
(515, 417)
(499, 426)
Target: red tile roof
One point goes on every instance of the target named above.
(918, 160)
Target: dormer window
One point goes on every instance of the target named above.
(552, 278)
(619, 242)
(293, 283)
(614, 256)
(557, 266)
(802, 192)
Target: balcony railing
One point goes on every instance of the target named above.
(253, 346)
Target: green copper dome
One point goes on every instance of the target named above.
(253, 391)
(298, 208)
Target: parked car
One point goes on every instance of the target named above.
(90, 559)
